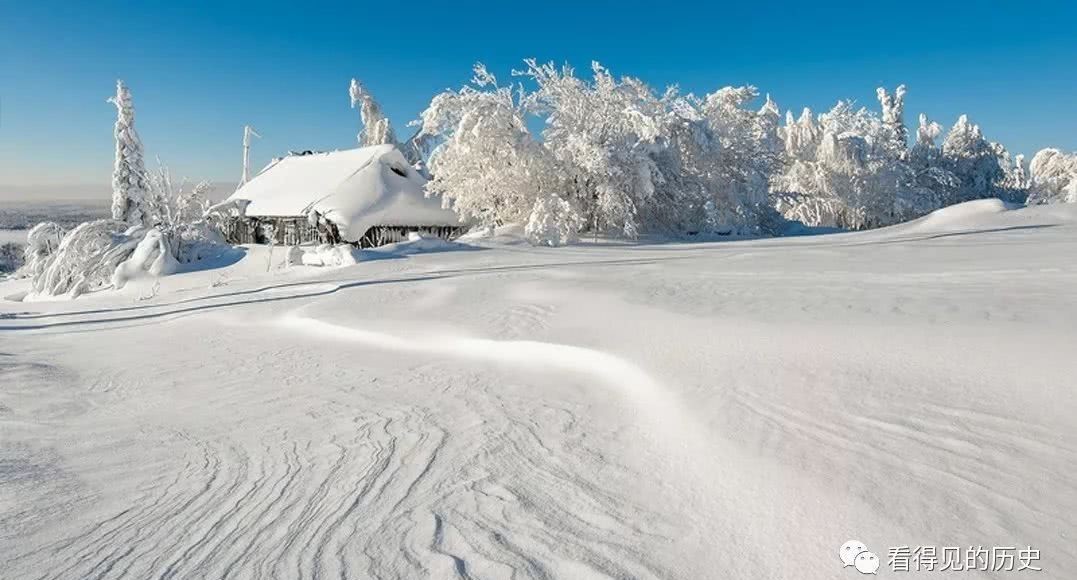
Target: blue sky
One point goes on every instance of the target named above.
(200, 70)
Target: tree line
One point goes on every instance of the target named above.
(615, 157)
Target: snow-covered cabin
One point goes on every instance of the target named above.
(368, 196)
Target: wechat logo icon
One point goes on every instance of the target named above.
(855, 553)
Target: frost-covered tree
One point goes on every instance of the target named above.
(169, 204)
(1053, 176)
(973, 161)
(489, 169)
(852, 168)
(844, 169)
(927, 134)
(1013, 184)
(376, 128)
(605, 134)
(1019, 177)
(627, 160)
(801, 135)
(619, 157)
(933, 184)
(749, 149)
(155, 228)
(691, 161)
(893, 113)
(717, 156)
(129, 171)
(799, 189)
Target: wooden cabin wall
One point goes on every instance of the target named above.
(289, 231)
(382, 235)
(293, 231)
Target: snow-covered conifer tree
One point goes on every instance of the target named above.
(376, 128)
(129, 172)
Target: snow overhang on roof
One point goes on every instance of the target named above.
(355, 189)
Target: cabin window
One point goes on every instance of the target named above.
(399, 170)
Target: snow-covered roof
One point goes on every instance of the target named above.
(355, 189)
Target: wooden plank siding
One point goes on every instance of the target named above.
(293, 231)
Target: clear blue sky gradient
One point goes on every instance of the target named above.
(200, 70)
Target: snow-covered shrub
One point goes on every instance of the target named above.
(1054, 177)
(86, 258)
(553, 222)
(41, 241)
(108, 253)
(178, 213)
(103, 254)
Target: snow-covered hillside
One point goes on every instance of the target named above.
(725, 410)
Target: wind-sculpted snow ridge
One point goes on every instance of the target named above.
(390, 492)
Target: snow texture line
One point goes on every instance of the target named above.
(633, 382)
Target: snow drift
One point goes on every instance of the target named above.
(615, 411)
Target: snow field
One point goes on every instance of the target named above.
(730, 410)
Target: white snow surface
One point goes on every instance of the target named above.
(356, 189)
(720, 410)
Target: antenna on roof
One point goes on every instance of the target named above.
(248, 132)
